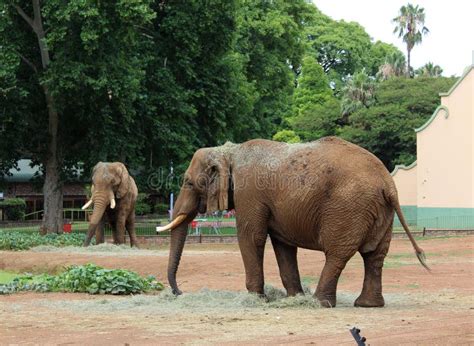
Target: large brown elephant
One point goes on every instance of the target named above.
(328, 195)
(114, 193)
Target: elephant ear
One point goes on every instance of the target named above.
(124, 185)
(218, 186)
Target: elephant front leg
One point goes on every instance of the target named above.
(120, 230)
(286, 256)
(99, 233)
(252, 247)
(130, 225)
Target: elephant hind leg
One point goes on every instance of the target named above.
(371, 295)
(286, 256)
(327, 286)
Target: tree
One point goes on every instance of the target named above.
(386, 128)
(394, 66)
(315, 109)
(359, 92)
(409, 24)
(287, 136)
(429, 70)
(381, 54)
(341, 48)
(269, 43)
(59, 77)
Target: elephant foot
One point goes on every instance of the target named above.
(369, 301)
(176, 291)
(326, 301)
(294, 293)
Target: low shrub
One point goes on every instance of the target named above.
(88, 278)
(161, 208)
(14, 208)
(142, 207)
(17, 241)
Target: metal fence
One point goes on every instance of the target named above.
(209, 226)
(226, 226)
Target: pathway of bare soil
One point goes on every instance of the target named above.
(421, 307)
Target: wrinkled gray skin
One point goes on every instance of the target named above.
(112, 181)
(328, 195)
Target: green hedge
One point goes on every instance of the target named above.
(14, 208)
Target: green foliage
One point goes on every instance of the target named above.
(317, 120)
(429, 70)
(358, 93)
(269, 41)
(14, 208)
(17, 241)
(340, 47)
(88, 278)
(161, 208)
(379, 53)
(394, 66)
(287, 136)
(142, 206)
(315, 109)
(386, 128)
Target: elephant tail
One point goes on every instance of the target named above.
(418, 250)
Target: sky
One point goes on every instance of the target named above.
(449, 44)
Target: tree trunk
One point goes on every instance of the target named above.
(408, 63)
(52, 188)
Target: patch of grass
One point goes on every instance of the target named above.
(388, 264)
(413, 286)
(6, 277)
(309, 280)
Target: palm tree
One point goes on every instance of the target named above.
(430, 70)
(410, 26)
(394, 66)
(358, 92)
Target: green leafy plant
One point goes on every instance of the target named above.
(161, 208)
(18, 241)
(142, 207)
(88, 278)
(14, 208)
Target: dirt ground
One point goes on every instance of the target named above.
(421, 307)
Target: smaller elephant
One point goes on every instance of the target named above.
(114, 193)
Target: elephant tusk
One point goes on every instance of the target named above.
(112, 203)
(87, 205)
(173, 224)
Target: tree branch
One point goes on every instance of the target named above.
(28, 62)
(37, 13)
(25, 16)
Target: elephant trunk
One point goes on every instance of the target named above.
(178, 238)
(101, 201)
(185, 211)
